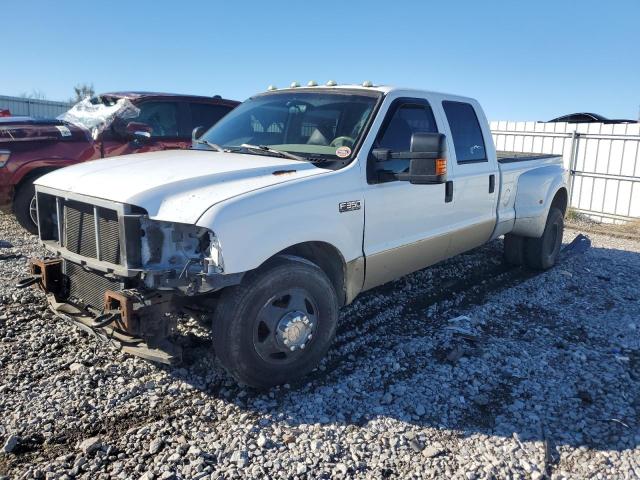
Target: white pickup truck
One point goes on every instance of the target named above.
(287, 209)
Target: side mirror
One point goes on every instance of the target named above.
(428, 163)
(139, 131)
(197, 132)
(427, 160)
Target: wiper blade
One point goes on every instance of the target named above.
(282, 153)
(213, 146)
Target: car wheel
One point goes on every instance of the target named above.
(542, 253)
(277, 325)
(24, 207)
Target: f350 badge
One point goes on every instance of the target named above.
(349, 206)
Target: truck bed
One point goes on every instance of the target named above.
(511, 157)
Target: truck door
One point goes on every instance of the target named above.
(407, 227)
(475, 188)
(169, 129)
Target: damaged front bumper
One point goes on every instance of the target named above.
(135, 321)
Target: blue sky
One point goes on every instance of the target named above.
(523, 60)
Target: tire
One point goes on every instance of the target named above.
(513, 249)
(542, 253)
(24, 206)
(277, 325)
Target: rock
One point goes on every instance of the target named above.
(90, 445)
(156, 445)
(420, 410)
(316, 445)
(11, 443)
(414, 446)
(239, 457)
(301, 469)
(262, 441)
(341, 468)
(194, 452)
(77, 367)
(431, 451)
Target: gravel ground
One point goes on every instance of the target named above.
(469, 369)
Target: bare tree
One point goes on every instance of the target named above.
(82, 91)
(34, 94)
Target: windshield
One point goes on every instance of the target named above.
(308, 124)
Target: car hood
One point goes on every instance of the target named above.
(27, 129)
(176, 185)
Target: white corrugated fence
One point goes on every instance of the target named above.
(604, 161)
(31, 107)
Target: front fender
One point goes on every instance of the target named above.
(46, 165)
(534, 195)
(254, 227)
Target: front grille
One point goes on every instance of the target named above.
(88, 287)
(80, 231)
(109, 236)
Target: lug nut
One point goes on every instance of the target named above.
(292, 348)
(302, 346)
(309, 337)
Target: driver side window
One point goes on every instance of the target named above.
(403, 120)
(162, 117)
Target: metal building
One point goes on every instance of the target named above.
(31, 107)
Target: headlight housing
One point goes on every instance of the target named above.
(4, 157)
(214, 262)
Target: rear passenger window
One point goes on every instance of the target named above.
(466, 132)
(204, 115)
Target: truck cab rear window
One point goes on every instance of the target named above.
(465, 132)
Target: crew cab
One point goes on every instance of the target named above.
(106, 125)
(286, 210)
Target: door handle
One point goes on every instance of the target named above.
(492, 183)
(448, 191)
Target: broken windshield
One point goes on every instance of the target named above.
(96, 113)
(310, 124)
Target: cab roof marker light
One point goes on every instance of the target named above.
(367, 83)
(332, 83)
(271, 88)
(312, 83)
(294, 85)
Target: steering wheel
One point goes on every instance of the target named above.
(343, 141)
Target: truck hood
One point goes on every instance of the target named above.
(176, 185)
(27, 129)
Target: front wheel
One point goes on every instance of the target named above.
(24, 207)
(277, 325)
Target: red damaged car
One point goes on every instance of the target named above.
(103, 126)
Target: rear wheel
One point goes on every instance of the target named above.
(542, 253)
(277, 325)
(24, 206)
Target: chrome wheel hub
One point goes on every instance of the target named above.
(294, 330)
(33, 210)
